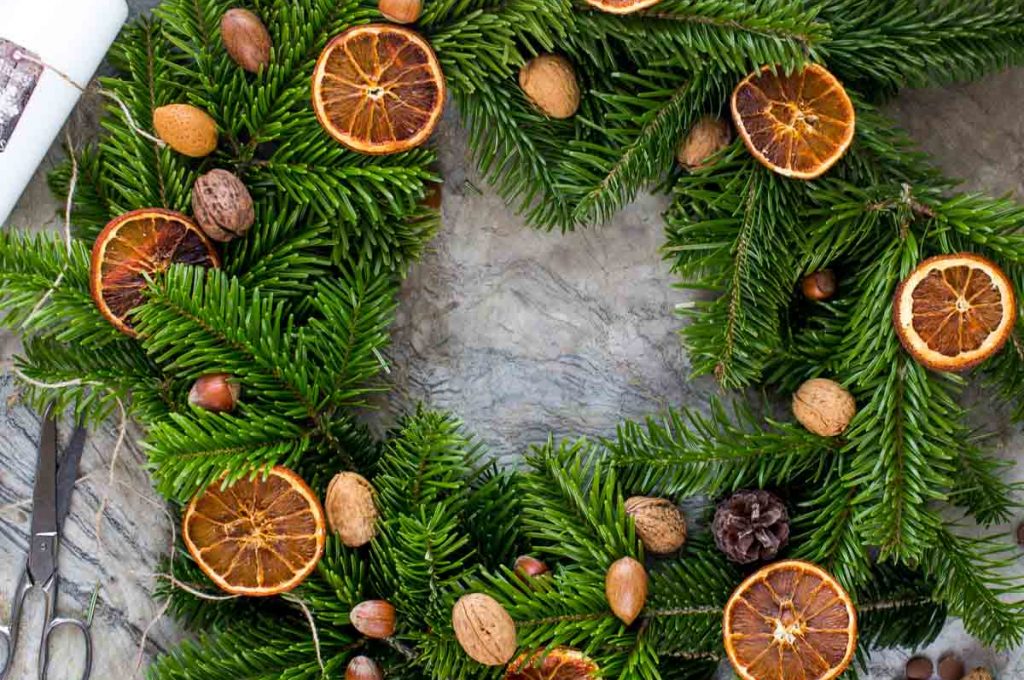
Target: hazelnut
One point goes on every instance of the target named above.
(363, 668)
(660, 523)
(401, 11)
(222, 205)
(527, 567)
(484, 629)
(951, 667)
(919, 668)
(351, 511)
(187, 129)
(549, 82)
(708, 136)
(819, 286)
(215, 392)
(824, 407)
(625, 586)
(373, 618)
(246, 39)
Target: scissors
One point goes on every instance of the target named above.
(50, 503)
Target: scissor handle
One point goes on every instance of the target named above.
(9, 632)
(44, 649)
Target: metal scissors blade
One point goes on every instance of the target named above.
(67, 473)
(42, 557)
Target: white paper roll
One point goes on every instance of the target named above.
(71, 36)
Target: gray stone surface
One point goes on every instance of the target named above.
(521, 333)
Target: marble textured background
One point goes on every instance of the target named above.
(521, 333)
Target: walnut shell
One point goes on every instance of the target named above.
(708, 136)
(484, 629)
(625, 586)
(979, 673)
(549, 82)
(222, 205)
(246, 39)
(351, 511)
(824, 407)
(401, 11)
(187, 129)
(660, 523)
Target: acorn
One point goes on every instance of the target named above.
(549, 82)
(625, 586)
(222, 205)
(660, 523)
(215, 392)
(484, 629)
(708, 136)
(187, 129)
(401, 11)
(824, 407)
(246, 39)
(527, 567)
(351, 509)
(374, 618)
(363, 668)
(819, 286)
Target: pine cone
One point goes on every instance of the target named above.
(751, 526)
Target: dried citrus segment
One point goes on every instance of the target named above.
(790, 620)
(378, 89)
(954, 311)
(558, 664)
(622, 6)
(138, 245)
(796, 124)
(256, 537)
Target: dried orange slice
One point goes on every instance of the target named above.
(622, 6)
(140, 244)
(790, 620)
(257, 537)
(799, 124)
(378, 89)
(558, 664)
(954, 311)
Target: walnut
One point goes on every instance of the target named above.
(824, 407)
(351, 511)
(660, 523)
(484, 629)
(222, 205)
(706, 138)
(549, 82)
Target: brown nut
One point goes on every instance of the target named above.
(484, 629)
(660, 523)
(708, 136)
(549, 82)
(373, 618)
(951, 667)
(215, 392)
(979, 673)
(222, 205)
(919, 668)
(246, 39)
(824, 407)
(625, 586)
(363, 668)
(351, 510)
(819, 286)
(527, 567)
(401, 11)
(187, 129)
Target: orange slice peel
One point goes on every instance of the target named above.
(622, 6)
(790, 620)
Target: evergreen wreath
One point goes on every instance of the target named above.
(299, 313)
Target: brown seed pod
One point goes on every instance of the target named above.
(660, 523)
(824, 407)
(527, 567)
(549, 82)
(246, 39)
(215, 392)
(484, 629)
(708, 136)
(373, 618)
(222, 205)
(625, 586)
(819, 286)
(363, 668)
(187, 129)
(351, 511)
(401, 11)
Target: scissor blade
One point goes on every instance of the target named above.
(43, 541)
(67, 473)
